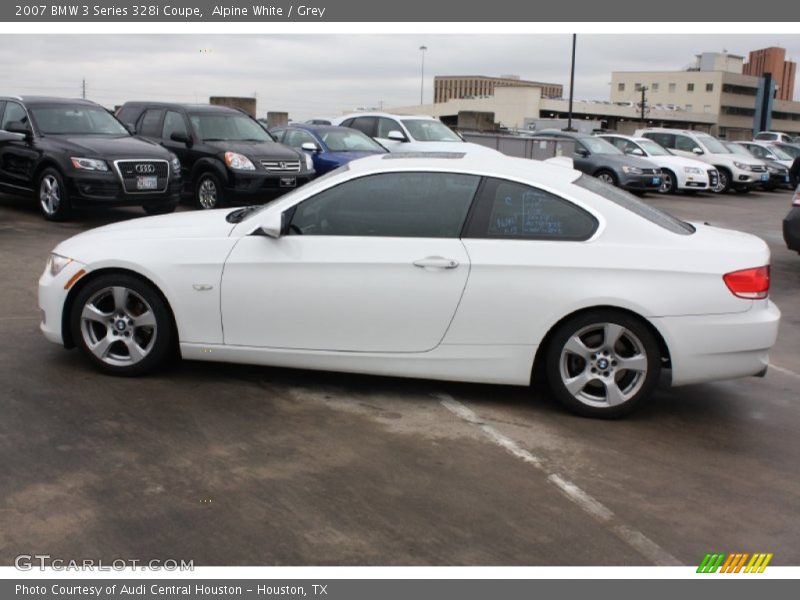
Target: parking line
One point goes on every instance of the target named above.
(590, 505)
(788, 372)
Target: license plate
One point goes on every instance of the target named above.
(288, 181)
(147, 183)
(656, 180)
(765, 177)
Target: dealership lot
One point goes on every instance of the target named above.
(226, 464)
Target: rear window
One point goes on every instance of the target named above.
(633, 204)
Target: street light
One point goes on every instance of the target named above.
(422, 49)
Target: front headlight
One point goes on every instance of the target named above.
(309, 161)
(89, 164)
(693, 170)
(743, 166)
(57, 263)
(239, 162)
(631, 170)
(176, 165)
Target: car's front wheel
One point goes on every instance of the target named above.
(52, 194)
(602, 363)
(122, 324)
(669, 183)
(607, 177)
(208, 192)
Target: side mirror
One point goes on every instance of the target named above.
(310, 147)
(582, 152)
(635, 151)
(397, 136)
(697, 151)
(272, 224)
(178, 136)
(21, 128)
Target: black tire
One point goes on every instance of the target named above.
(204, 197)
(160, 209)
(723, 181)
(608, 177)
(670, 185)
(742, 190)
(600, 365)
(141, 302)
(52, 195)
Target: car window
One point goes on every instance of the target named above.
(78, 119)
(297, 137)
(13, 112)
(618, 142)
(662, 139)
(510, 210)
(348, 140)
(228, 127)
(425, 205)
(685, 143)
(277, 134)
(632, 203)
(599, 146)
(712, 144)
(173, 123)
(430, 130)
(385, 126)
(364, 125)
(150, 122)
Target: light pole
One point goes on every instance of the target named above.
(572, 81)
(422, 49)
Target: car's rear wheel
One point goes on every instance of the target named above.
(122, 324)
(52, 195)
(607, 177)
(208, 192)
(602, 363)
(669, 183)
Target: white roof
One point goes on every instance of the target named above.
(385, 114)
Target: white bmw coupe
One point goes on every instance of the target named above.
(438, 265)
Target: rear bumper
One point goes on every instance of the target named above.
(713, 347)
(791, 229)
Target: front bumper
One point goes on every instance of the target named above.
(52, 296)
(641, 183)
(255, 184)
(791, 229)
(778, 180)
(694, 181)
(748, 179)
(94, 189)
(714, 347)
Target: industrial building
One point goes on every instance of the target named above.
(447, 87)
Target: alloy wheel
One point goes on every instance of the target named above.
(50, 195)
(207, 193)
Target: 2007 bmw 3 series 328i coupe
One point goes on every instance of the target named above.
(436, 265)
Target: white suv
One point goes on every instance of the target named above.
(409, 133)
(735, 172)
(773, 136)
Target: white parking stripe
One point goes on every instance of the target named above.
(635, 539)
(784, 371)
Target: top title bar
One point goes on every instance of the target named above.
(332, 11)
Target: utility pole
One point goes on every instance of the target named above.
(422, 49)
(83, 88)
(644, 89)
(572, 82)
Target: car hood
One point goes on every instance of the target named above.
(680, 162)
(190, 224)
(107, 147)
(259, 150)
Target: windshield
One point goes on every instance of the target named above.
(63, 119)
(652, 148)
(598, 146)
(225, 127)
(793, 151)
(780, 154)
(713, 145)
(348, 140)
(738, 149)
(428, 130)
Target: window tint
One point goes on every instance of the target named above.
(685, 143)
(432, 205)
(663, 139)
(633, 204)
(150, 122)
(13, 112)
(173, 123)
(297, 137)
(511, 210)
(757, 151)
(387, 125)
(364, 125)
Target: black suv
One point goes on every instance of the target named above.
(74, 153)
(225, 153)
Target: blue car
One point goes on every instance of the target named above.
(331, 146)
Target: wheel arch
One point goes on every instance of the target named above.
(538, 371)
(66, 330)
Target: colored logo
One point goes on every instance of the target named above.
(734, 562)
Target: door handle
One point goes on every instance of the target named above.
(436, 262)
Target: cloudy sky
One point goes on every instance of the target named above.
(318, 75)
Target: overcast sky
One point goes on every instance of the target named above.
(319, 75)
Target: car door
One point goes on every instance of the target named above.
(175, 123)
(687, 147)
(374, 264)
(384, 127)
(18, 156)
(582, 158)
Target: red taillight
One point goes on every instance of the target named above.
(752, 284)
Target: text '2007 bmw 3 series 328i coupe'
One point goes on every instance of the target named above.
(445, 266)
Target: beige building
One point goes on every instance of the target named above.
(448, 87)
